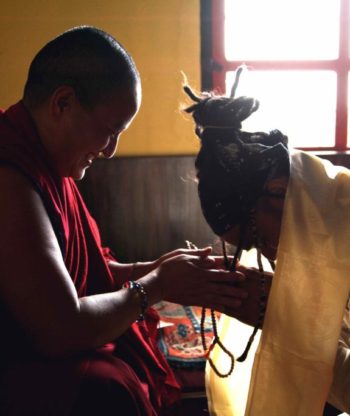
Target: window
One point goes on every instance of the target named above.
(297, 55)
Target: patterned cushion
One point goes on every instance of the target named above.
(180, 334)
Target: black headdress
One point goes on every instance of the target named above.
(233, 166)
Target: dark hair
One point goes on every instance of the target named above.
(88, 59)
(233, 166)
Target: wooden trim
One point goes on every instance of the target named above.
(206, 45)
(342, 84)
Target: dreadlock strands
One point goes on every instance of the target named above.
(198, 99)
(235, 84)
(212, 111)
(192, 95)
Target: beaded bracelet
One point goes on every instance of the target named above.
(141, 293)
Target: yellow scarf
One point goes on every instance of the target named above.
(293, 367)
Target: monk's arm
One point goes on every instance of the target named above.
(36, 287)
(38, 291)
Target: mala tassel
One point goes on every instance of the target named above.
(244, 355)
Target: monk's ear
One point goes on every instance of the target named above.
(277, 186)
(62, 100)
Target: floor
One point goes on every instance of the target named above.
(194, 407)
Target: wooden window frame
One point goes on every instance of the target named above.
(215, 65)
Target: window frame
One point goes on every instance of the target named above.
(215, 65)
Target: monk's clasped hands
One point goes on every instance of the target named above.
(194, 277)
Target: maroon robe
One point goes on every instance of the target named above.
(124, 372)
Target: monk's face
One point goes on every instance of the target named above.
(88, 133)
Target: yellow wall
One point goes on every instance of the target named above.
(161, 35)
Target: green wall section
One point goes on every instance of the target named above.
(163, 36)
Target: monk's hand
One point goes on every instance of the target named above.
(140, 269)
(194, 280)
(200, 252)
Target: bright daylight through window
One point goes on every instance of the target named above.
(298, 53)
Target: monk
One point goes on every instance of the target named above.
(77, 327)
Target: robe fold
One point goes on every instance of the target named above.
(134, 355)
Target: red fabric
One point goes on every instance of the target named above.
(85, 260)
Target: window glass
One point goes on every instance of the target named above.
(299, 103)
(281, 29)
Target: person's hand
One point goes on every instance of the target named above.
(190, 279)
